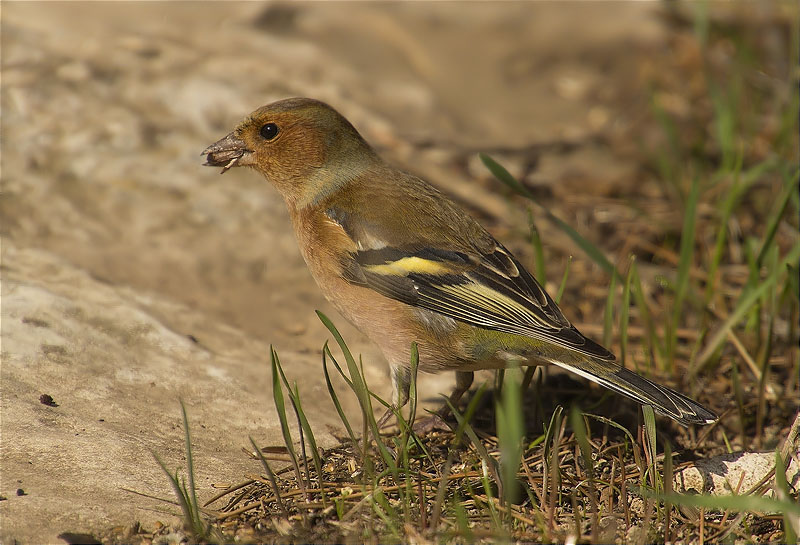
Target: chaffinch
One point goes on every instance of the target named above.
(404, 263)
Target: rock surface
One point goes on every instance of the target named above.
(735, 473)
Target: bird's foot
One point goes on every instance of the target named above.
(428, 424)
(383, 421)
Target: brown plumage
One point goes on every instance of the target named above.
(406, 264)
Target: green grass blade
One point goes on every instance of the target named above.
(500, 172)
(741, 183)
(582, 437)
(552, 429)
(610, 422)
(280, 407)
(725, 116)
(360, 388)
(187, 496)
(608, 315)
(276, 490)
(538, 250)
(463, 423)
(192, 496)
(308, 433)
(791, 522)
(465, 428)
(563, 285)
(742, 308)
(189, 518)
(650, 444)
(666, 156)
(412, 392)
(624, 312)
(337, 366)
(684, 266)
(388, 515)
(668, 476)
(653, 345)
(789, 190)
(462, 521)
(734, 503)
(510, 430)
(348, 356)
(335, 398)
(590, 249)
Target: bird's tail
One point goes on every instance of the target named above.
(663, 400)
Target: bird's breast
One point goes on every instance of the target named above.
(390, 324)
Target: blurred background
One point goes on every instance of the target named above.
(133, 276)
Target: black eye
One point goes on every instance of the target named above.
(268, 131)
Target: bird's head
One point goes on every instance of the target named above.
(305, 148)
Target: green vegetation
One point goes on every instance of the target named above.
(710, 299)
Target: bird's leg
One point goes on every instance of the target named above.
(435, 421)
(530, 371)
(401, 386)
(463, 382)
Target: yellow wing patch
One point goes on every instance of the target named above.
(410, 265)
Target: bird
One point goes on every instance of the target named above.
(405, 264)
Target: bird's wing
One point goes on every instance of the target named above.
(483, 285)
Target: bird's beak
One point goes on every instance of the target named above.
(225, 153)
